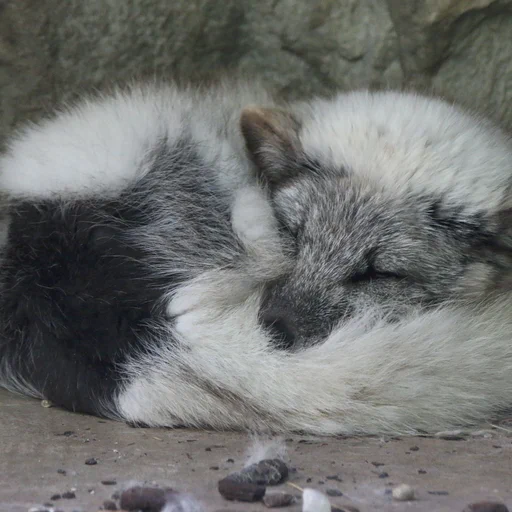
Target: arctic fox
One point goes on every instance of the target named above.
(217, 259)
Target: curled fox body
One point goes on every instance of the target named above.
(216, 259)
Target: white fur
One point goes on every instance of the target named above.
(96, 148)
(183, 503)
(253, 219)
(103, 145)
(431, 371)
(407, 141)
(261, 449)
(315, 501)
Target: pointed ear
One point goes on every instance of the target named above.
(272, 140)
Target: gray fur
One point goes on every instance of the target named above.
(358, 246)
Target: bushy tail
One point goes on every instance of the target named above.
(431, 371)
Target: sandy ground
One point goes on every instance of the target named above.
(43, 453)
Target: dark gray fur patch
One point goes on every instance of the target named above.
(82, 280)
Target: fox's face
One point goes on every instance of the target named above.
(399, 222)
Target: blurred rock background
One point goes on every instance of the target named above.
(52, 50)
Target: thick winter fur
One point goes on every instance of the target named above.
(210, 259)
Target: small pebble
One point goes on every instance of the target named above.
(109, 482)
(235, 490)
(149, 499)
(334, 477)
(414, 448)
(315, 501)
(422, 472)
(377, 464)
(333, 492)
(69, 495)
(486, 506)
(46, 404)
(55, 497)
(278, 499)
(91, 462)
(109, 505)
(265, 472)
(384, 475)
(61, 471)
(403, 492)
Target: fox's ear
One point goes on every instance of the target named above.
(272, 140)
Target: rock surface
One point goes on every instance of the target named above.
(43, 453)
(50, 50)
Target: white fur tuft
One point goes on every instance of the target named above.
(265, 448)
(315, 501)
(183, 503)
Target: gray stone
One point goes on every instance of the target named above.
(52, 51)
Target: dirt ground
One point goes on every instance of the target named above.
(43, 454)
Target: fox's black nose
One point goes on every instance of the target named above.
(280, 328)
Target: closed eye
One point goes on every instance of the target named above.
(287, 228)
(372, 274)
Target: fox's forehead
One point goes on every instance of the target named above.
(347, 216)
(408, 143)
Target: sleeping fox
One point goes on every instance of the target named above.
(219, 259)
